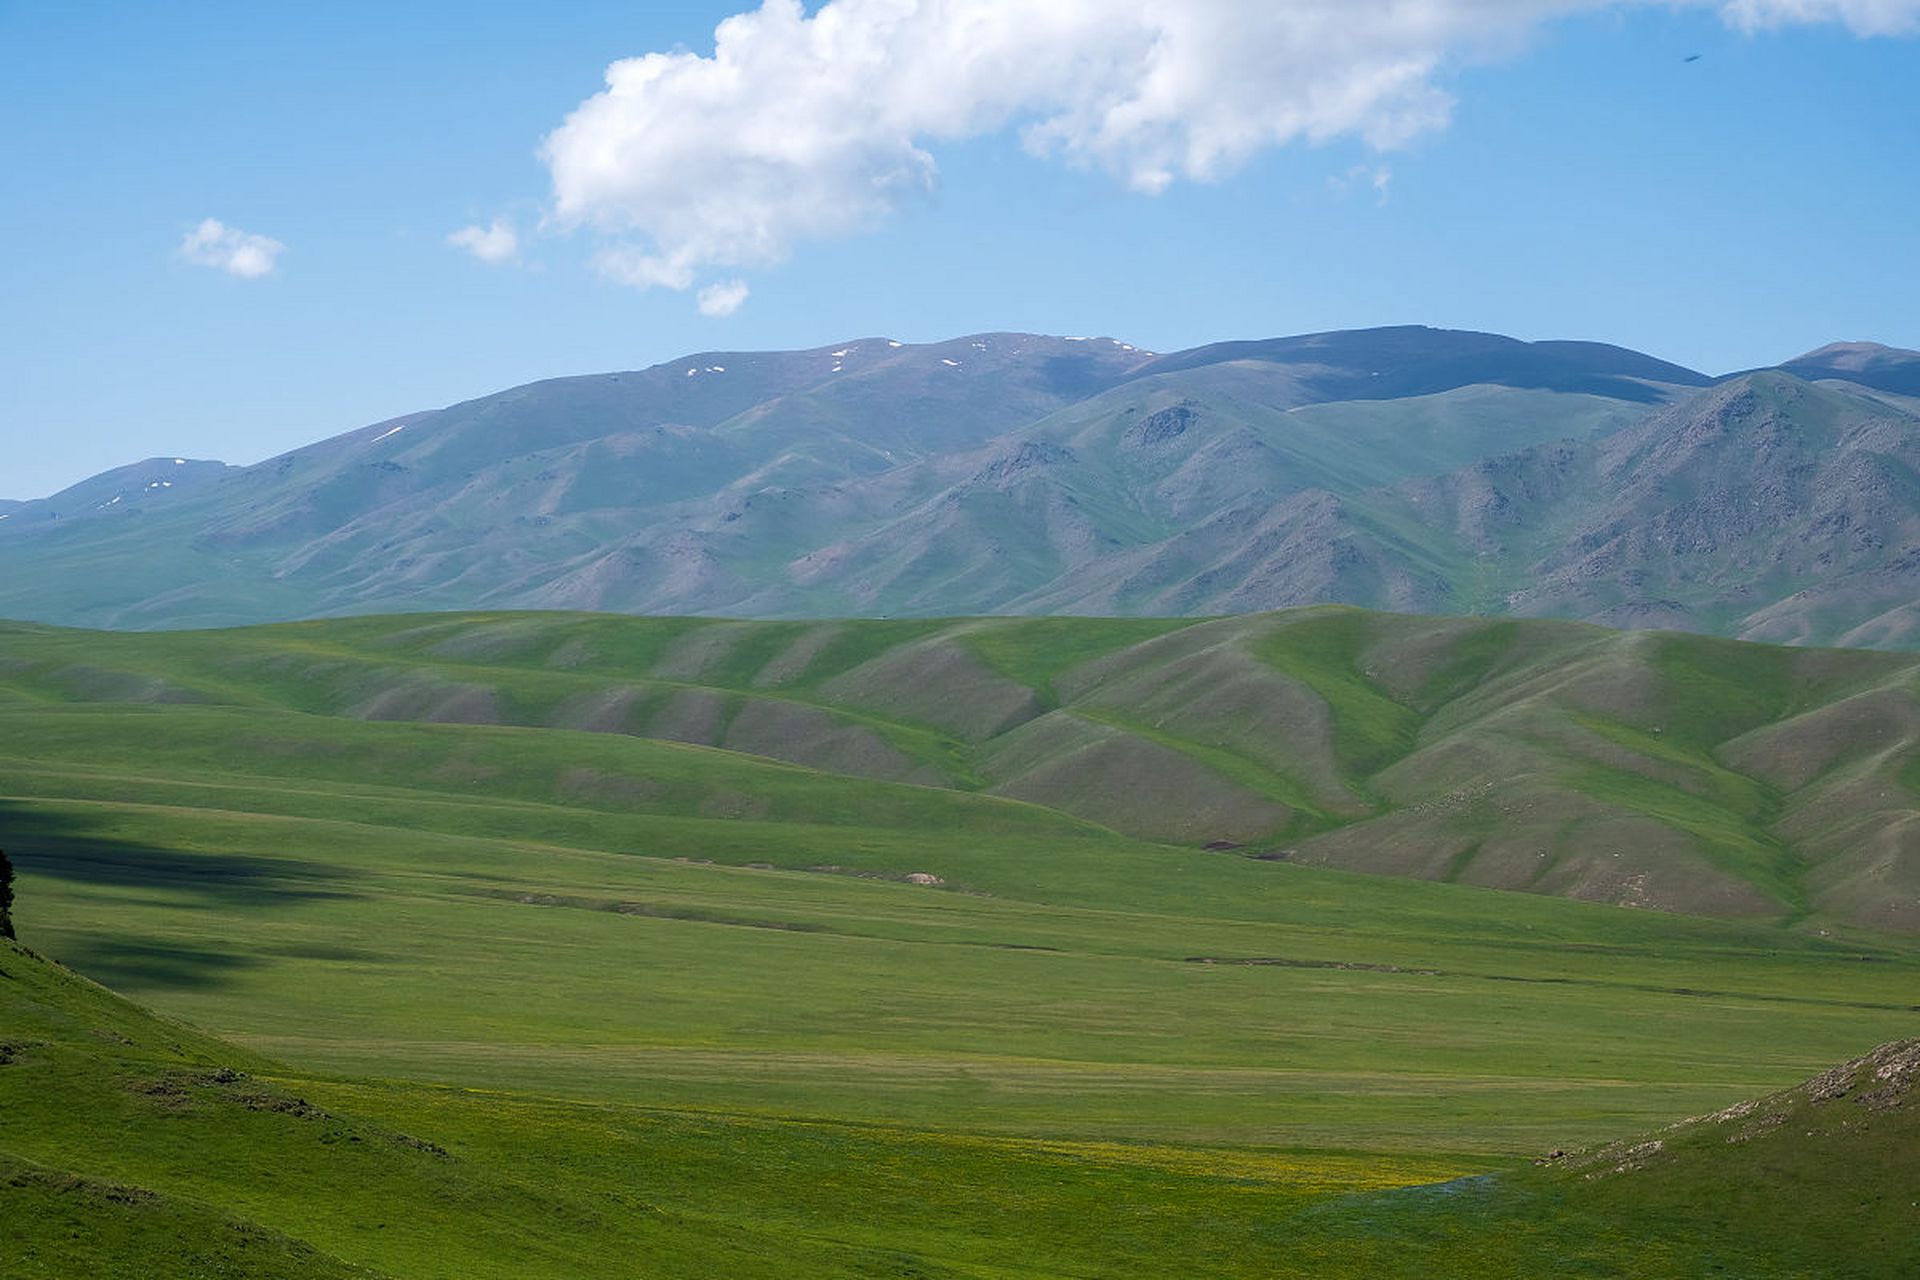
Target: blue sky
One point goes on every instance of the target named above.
(1586, 182)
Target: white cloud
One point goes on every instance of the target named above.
(803, 127)
(723, 297)
(1375, 178)
(496, 242)
(238, 253)
(1862, 17)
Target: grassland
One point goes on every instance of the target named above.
(674, 1007)
(1654, 770)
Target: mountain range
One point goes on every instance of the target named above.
(1406, 468)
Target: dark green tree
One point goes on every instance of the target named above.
(6, 897)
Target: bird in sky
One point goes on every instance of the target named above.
(1692, 57)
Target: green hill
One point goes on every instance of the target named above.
(1653, 770)
(1818, 1180)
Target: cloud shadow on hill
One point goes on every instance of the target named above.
(46, 842)
(149, 964)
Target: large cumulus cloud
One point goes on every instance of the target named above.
(802, 127)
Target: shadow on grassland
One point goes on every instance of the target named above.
(137, 965)
(61, 845)
(68, 846)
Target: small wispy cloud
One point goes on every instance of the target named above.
(722, 298)
(238, 253)
(495, 243)
(1362, 177)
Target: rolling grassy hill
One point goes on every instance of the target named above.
(1656, 770)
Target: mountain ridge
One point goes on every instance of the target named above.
(1017, 473)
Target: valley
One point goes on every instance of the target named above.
(755, 942)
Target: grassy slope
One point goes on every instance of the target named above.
(1816, 1180)
(1637, 768)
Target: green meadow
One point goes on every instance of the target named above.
(556, 945)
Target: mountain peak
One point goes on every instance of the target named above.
(1870, 364)
(1411, 359)
(1840, 354)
